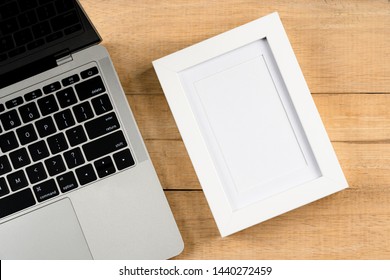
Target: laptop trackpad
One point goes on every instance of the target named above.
(51, 232)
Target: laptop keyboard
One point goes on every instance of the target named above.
(57, 138)
(28, 24)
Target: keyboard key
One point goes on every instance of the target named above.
(83, 111)
(54, 36)
(74, 158)
(89, 72)
(10, 119)
(29, 112)
(38, 150)
(5, 166)
(8, 142)
(17, 180)
(70, 80)
(104, 167)
(2, 109)
(64, 20)
(23, 37)
(46, 11)
(76, 135)
(45, 127)
(16, 202)
(27, 134)
(52, 87)
(44, 191)
(3, 187)
(6, 44)
(86, 174)
(27, 4)
(66, 97)
(64, 119)
(19, 158)
(123, 159)
(101, 104)
(33, 95)
(55, 165)
(48, 105)
(90, 88)
(105, 145)
(41, 29)
(35, 44)
(43, 2)
(67, 182)
(57, 143)
(36, 173)
(102, 125)
(27, 19)
(73, 29)
(9, 10)
(64, 5)
(14, 102)
(8, 26)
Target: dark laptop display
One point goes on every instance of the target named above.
(34, 34)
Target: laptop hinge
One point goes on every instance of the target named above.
(63, 58)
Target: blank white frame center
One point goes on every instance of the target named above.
(249, 124)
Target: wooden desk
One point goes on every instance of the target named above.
(343, 47)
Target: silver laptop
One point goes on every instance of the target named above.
(76, 181)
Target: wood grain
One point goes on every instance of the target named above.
(346, 225)
(365, 165)
(343, 47)
(346, 117)
(340, 44)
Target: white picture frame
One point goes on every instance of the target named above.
(249, 124)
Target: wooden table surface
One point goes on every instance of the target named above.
(343, 47)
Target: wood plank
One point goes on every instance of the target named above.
(347, 117)
(342, 46)
(173, 165)
(365, 165)
(346, 225)
(153, 116)
(355, 117)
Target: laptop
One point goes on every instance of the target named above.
(76, 181)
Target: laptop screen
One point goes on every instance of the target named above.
(35, 33)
